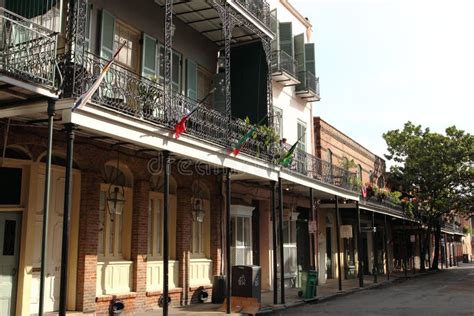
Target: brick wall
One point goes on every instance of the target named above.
(88, 237)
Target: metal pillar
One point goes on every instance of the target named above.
(405, 254)
(228, 239)
(385, 242)
(420, 246)
(446, 250)
(280, 234)
(359, 248)
(312, 239)
(338, 243)
(166, 209)
(374, 248)
(275, 244)
(66, 218)
(47, 188)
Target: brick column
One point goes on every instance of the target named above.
(140, 241)
(88, 240)
(184, 225)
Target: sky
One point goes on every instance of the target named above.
(383, 62)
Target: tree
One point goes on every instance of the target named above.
(437, 171)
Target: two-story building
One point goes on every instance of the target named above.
(106, 202)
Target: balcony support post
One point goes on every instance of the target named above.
(46, 200)
(267, 47)
(66, 218)
(313, 234)
(375, 266)
(338, 243)
(387, 266)
(168, 87)
(275, 244)
(228, 239)
(280, 234)
(359, 248)
(166, 209)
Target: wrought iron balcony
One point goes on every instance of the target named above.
(308, 88)
(313, 167)
(284, 68)
(260, 9)
(375, 201)
(27, 50)
(128, 93)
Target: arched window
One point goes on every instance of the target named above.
(381, 182)
(201, 222)
(329, 153)
(17, 152)
(114, 227)
(359, 172)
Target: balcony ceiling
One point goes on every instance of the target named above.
(202, 16)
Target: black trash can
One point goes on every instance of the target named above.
(218, 289)
(246, 281)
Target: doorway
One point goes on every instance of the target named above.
(329, 253)
(10, 226)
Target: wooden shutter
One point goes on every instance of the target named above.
(275, 29)
(88, 29)
(285, 36)
(149, 57)
(191, 79)
(310, 58)
(107, 35)
(176, 71)
(300, 60)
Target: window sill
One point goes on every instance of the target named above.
(158, 293)
(109, 297)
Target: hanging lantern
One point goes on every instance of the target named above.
(115, 200)
(198, 211)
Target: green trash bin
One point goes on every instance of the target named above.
(309, 281)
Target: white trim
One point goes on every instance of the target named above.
(29, 87)
(241, 210)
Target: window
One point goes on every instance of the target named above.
(155, 222)
(197, 239)
(204, 84)
(129, 55)
(10, 186)
(278, 121)
(110, 228)
(175, 68)
(301, 153)
(289, 243)
(359, 172)
(241, 245)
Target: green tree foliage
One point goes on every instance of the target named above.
(436, 170)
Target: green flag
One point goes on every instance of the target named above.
(238, 145)
(286, 160)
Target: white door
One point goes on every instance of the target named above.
(10, 226)
(53, 262)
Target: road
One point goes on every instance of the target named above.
(448, 292)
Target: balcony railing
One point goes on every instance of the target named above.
(27, 50)
(260, 9)
(142, 98)
(313, 167)
(282, 61)
(308, 82)
(397, 208)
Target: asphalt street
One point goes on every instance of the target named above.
(449, 292)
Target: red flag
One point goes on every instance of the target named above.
(364, 191)
(180, 128)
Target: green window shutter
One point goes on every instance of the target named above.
(191, 79)
(107, 35)
(286, 37)
(149, 57)
(302, 136)
(88, 28)
(310, 58)
(176, 71)
(275, 29)
(300, 60)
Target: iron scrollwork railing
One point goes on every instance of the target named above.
(282, 61)
(313, 167)
(308, 82)
(259, 8)
(27, 50)
(143, 98)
